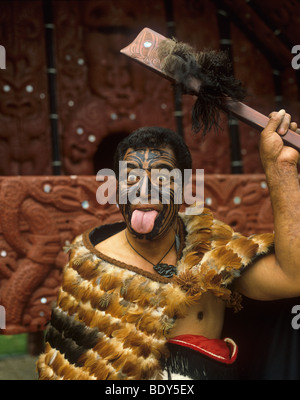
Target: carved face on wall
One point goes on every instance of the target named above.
(148, 192)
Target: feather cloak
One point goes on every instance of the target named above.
(112, 320)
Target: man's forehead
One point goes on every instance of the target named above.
(150, 153)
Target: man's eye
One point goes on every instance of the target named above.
(132, 178)
(161, 178)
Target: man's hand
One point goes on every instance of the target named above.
(272, 149)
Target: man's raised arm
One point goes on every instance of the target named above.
(275, 277)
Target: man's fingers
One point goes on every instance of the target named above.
(285, 124)
(294, 126)
(272, 146)
(276, 120)
(280, 122)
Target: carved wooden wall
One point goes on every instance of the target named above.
(39, 216)
(103, 96)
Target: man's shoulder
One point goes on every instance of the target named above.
(111, 244)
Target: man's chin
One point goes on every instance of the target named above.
(156, 233)
(144, 236)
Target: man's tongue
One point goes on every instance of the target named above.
(143, 221)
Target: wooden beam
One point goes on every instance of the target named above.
(257, 30)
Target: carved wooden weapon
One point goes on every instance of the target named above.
(144, 49)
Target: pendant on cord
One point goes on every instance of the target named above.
(165, 270)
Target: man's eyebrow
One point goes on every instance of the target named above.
(162, 166)
(131, 165)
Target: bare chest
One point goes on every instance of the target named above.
(117, 248)
(205, 318)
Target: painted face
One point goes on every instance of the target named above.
(149, 191)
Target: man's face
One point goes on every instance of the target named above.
(146, 184)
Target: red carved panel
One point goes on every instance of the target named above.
(101, 93)
(41, 215)
(25, 147)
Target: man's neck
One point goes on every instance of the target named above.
(153, 250)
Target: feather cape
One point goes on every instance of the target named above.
(112, 320)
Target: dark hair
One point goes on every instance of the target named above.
(155, 137)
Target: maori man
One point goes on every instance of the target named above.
(145, 298)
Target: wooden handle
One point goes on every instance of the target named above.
(259, 121)
(144, 50)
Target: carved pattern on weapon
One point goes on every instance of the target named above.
(144, 48)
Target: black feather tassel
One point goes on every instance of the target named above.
(213, 69)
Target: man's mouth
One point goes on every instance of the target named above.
(145, 208)
(143, 219)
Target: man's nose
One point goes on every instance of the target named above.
(145, 188)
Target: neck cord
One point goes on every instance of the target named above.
(163, 269)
